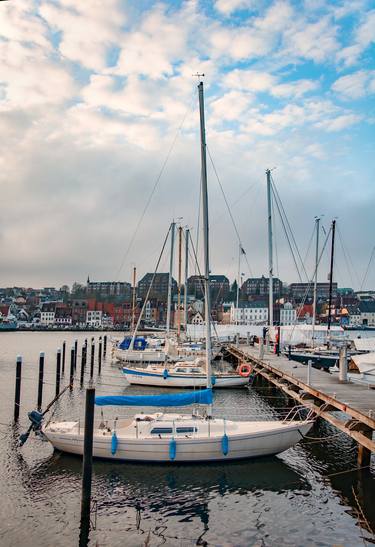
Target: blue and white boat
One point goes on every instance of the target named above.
(194, 437)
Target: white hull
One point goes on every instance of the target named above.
(253, 439)
(141, 377)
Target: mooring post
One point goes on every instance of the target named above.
(309, 363)
(248, 338)
(63, 356)
(58, 371)
(343, 364)
(261, 348)
(289, 352)
(40, 380)
(75, 353)
(17, 395)
(92, 357)
(105, 345)
(83, 363)
(364, 454)
(71, 375)
(100, 355)
(87, 465)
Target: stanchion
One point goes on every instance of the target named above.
(17, 395)
(40, 381)
(87, 466)
(58, 371)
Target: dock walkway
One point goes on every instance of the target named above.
(325, 393)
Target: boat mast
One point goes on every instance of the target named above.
(179, 281)
(238, 278)
(270, 252)
(331, 278)
(170, 279)
(187, 235)
(317, 224)
(134, 293)
(207, 303)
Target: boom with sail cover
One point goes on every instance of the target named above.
(202, 397)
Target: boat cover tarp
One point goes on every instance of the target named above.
(364, 344)
(140, 343)
(202, 397)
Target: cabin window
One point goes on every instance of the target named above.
(186, 430)
(161, 430)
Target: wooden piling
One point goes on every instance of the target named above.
(58, 371)
(40, 381)
(105, 345)
(63, 357)
(17, 395)
(87, 465)
(75, 353)
(92, 357)
(100, 356)
(71, 374)
(83, 363)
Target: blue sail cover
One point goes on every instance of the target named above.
(202, 397)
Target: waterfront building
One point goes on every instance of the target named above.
(94, 318)
(299, 291)
(258, 286)
(219, 287)
(109, 288)
(159, 289)
(288, 315)
(47, 314)
(249, 313)
(367, 309)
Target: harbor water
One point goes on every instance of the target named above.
(303, 497)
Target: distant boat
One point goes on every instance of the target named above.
(184, 374)
(365, 363)
(8, 324)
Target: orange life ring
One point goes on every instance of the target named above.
(244, 370)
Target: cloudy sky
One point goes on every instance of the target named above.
(98, 106)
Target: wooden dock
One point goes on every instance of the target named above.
(348, 406)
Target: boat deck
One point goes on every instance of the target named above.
(325, 393)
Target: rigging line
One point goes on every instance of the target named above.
(367, 269)
(286, 235)
(156, 183)
(345, 256)
(201, 280)
(309, 245)
(289, 226)
(151, 283)
(299, 309)
(275, 238)
(228, 207)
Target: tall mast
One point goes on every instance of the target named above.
(187, 235)
(238, 277)
(270, 252)
(179, 281)
(207, 304)
(170, 278)
(331, 277)
(134, 294)
(317, 224)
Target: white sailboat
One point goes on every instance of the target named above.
(166, 437)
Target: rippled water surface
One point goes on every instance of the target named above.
(300, 498)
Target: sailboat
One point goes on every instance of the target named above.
(196, 437)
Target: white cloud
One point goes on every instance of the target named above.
(340, 122)
(316, 41)
(229, 6)
(295, 89)
(250, 80)
(355, 85)
(88, 30)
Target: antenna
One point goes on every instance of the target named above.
(199, 76)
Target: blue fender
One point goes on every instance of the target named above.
(213, 380)
(114, 443)
(172, 450)
(225, 444)
(165, 374)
